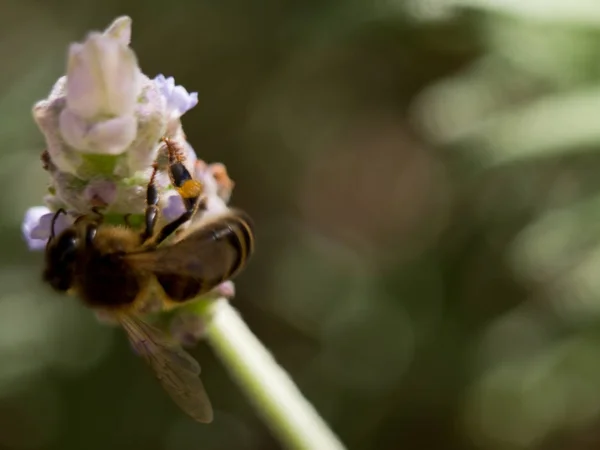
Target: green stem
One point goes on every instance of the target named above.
(283, 407)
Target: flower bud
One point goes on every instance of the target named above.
(103, 78)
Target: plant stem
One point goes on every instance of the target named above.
(283, 407)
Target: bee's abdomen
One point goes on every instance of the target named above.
(240, 235)
(181, 289)
(107, 281)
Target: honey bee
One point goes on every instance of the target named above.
(116, 269)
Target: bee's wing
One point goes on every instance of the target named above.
(199, 255)
(176, 370)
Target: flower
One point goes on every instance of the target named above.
(174, 207)
(104, 120)
(202, 173)
(179, 101)
(100, 192)
(103, 77)
(224, 184)
(102, 124)
(102, 88)
(215, 191)
(215, 206)
(120, 30)
(225, 289)
(111, 136)
(37, 226)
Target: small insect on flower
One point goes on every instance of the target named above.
(117, 270)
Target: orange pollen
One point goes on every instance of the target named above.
(190, 189)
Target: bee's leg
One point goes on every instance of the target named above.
(98, 214)
(190, 190)
(53, 223)
(171, 227)
(127, 219)
(94, 215)
(151, 214)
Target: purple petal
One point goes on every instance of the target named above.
(100, 192)
(30, 228)
(225, 289)
(178, 99)
(174, 208)
(165, 85)
(37, 225)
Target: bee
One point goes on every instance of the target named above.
(116, 269)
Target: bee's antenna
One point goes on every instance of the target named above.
(58, 213)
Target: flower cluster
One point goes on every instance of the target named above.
(102, 124)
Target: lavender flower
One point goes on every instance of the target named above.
(174, 207)
(103, 78)
(179, 101)
(102, 123)
(100, 192)
(37, 226)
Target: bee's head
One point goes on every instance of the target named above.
(62, 252)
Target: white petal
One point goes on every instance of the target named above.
(151, 115)
(83, 95)
(46, 114)
(189, 155)
(122, 78)
(120, 30)
(215, 206)
(73, 129)
(113, 136)
(103, 77)
(210, 185)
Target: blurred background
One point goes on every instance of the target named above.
(424, 179)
